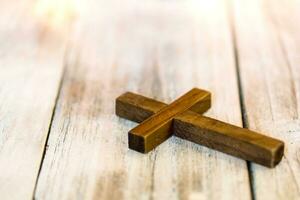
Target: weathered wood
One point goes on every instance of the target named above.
(160, 49)
(212, 133)
(268, 52)
(30, 73)
(158, 128)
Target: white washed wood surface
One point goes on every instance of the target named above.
(268, 52)
(161, 50)
(30, 72)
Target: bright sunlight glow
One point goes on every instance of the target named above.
(57, 12)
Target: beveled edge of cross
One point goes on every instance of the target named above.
(137, 108)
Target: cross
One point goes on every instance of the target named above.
(183, 118)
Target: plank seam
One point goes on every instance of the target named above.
(245, 124)
(50, 124)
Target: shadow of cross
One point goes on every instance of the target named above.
(183, 119)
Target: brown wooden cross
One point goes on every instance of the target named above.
(183, 119)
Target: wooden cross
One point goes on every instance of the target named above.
(183, 119)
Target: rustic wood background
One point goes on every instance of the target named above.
(63, 64)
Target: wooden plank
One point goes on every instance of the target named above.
(30, 73)
(206, 131)
(159, 49)
(158, 128)
(269, 85)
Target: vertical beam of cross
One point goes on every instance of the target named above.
(209, 132)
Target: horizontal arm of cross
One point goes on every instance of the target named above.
(209, 132)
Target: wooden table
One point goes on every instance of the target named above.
(61, 70)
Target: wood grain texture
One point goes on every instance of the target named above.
(269, 64)
(30, 73)
(230, 139)
(138, 108)
(159, 49)
(227, 138)
(158, 128)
